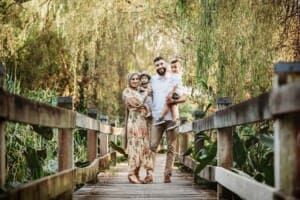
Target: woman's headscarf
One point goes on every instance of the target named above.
(129, 76)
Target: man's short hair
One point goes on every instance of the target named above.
(158, 58)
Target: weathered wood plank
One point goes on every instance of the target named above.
(103, 144)
(113, 184)
(242, 185)
(207, 173)
(117, 131)
(92, 144)
(105, 128)
(44, 188)
(86, 122)
(285, 99)
(287, 154)
(224, 153)
(204, 124)
(88, 173)
(65, 149)
(280, 100)
(186, 127)
(52, 186)
(19, 109)
(253, 110)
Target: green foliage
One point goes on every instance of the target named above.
(86, 48)
(26, 152)
(207, 155)
(80, 147)
(253, 152)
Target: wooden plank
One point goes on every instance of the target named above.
(44, 188)
(287, 154)
(103, 144)
(105, 160)
(92, 144)
(244, 187)
(52, 186)
(224, 157)
(285, 99)
(19, 109)
(88, 173)
(183, 140)
(207, 173)
(86, 122)
(204, 124)
(117, 131)
(224, 149)
(105, 128)
(187, 161)
(186, 128)
(65, 149)
(113, 184)
(280, 100)
(253, 110)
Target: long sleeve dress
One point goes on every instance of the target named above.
(138, 146)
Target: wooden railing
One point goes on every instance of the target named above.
(14, 108)
(282, 105)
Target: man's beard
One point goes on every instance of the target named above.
(161, 71)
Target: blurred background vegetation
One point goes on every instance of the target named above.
(85, 48)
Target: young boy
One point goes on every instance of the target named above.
(145, 84)
(172, 96)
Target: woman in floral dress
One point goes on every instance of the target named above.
(139, 153)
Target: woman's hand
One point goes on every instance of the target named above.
(133, 102)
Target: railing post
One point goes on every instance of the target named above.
(2, 154)
(198, 141)
(92, 138)
(103, 143)
(287, 136)
(224, 152)
(183, 140)
(65, 139)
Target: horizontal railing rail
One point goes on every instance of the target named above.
(282, 106)
(14, 108)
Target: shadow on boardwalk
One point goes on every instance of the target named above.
(113, 184)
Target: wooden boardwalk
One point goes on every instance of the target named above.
(113, 184)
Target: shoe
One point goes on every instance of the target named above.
(172, 126)
(167, 179)
(159, 121)
(133, 179)
(148, 179)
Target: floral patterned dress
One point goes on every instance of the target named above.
(138, 146)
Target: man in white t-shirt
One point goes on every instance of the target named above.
(162, 83)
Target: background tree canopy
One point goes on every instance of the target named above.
(85, 48)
